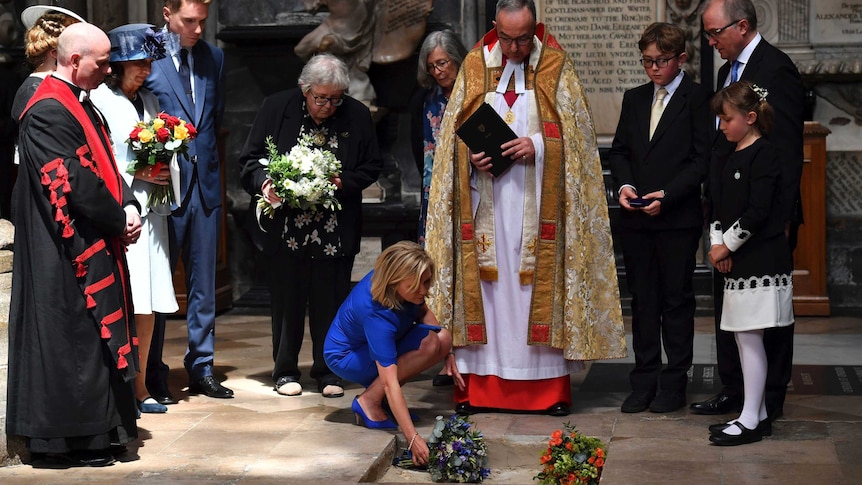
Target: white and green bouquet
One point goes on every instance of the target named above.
(302, 177)
(458, 452)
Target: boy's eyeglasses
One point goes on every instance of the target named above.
(647, 62)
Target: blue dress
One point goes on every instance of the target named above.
(365, 332)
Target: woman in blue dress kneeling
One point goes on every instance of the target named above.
(384, 334)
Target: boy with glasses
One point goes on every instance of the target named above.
(659, 159)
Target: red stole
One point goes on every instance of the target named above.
(106, 167)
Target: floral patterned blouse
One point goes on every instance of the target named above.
(314, 233)
(433, 109)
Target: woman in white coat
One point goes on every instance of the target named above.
(124, 103)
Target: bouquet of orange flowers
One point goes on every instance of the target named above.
(572, 459)
(155, 143)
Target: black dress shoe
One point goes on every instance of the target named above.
(721, 403)
(637, 401)
(747, 436)
(667, 402)
(93, 458)
(463, 408)
(559, 409)
(211, 387)
(442, 380)
(765, 427)
(164, 399)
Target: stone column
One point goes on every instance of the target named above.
(108, 14)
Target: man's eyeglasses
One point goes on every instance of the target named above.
(322, 100)
(521, 41)
(438, 65)
(647, 62)
(711, 34)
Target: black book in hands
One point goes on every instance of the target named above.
(485, 131)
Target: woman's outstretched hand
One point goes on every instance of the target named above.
(450, 368)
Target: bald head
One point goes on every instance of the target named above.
(83, 51)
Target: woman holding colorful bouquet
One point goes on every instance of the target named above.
(124, 103)
(384, 334)
(310, 247)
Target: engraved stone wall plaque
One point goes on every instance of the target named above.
(601, 36)
(836, 22)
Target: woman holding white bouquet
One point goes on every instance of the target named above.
(124, 103)
(308, 156)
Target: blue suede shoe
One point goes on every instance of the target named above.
(362, 420)
(150, 406)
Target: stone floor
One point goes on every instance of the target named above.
(261, 437)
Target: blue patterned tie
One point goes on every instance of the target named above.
(734, 71)
(185, 76)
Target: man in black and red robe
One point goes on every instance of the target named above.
(72, 344)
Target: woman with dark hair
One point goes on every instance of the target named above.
(124, 103)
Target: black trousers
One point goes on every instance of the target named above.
(659, 271)
(297, 283)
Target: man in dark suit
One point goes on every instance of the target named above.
(731, 28)
(189, 85)
(659, 158)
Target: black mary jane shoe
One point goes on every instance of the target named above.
(747, 436)
(765, 427)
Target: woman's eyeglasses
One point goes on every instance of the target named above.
(322, 100)
(438, 65)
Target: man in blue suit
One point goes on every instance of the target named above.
(189, 85)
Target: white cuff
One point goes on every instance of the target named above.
(715, 236)
(735, 237)
(620, 192)
(539, 146)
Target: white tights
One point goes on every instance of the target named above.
(752, 356)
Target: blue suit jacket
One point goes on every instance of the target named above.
(164, 82)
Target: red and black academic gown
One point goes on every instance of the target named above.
(72, 342)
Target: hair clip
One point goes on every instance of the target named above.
(761, 93)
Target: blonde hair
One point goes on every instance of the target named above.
(42, 36)
(404, 260)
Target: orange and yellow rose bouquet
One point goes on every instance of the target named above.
(154, 144)
(572, 459)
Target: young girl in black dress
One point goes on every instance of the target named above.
(749, 246)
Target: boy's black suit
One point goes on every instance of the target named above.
(659, 251)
